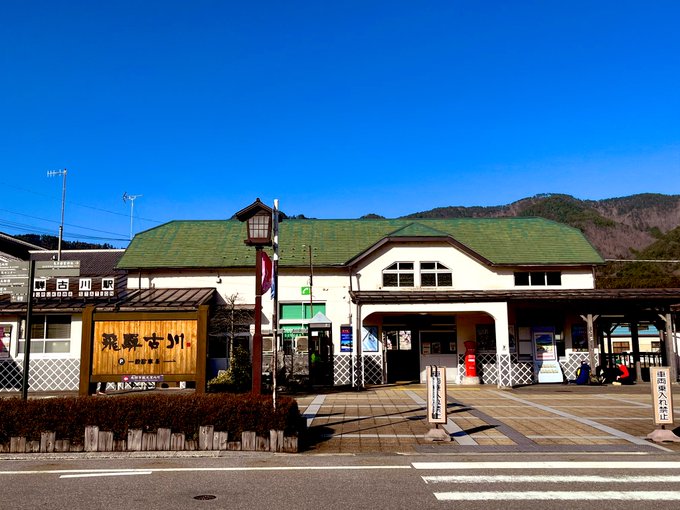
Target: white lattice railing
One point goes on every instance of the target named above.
(44, 374)
(342, 369)
(572, 364)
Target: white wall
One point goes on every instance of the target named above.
(468, 272)
(332, 286)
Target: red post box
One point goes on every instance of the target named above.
(470, 359)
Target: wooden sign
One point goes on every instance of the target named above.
(144, 347)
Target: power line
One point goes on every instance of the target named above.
(51, 197)
(31, 229)
(67, 224)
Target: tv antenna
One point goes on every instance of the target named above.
(132, 199)
(54, 173)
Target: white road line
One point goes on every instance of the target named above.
(97, 475)
(207, 469)
(559, 496)
(550, 479)
(547, 465)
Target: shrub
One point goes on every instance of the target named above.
(237, 378)
(68, 416)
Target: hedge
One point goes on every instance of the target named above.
(67, 416)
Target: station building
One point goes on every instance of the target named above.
(376, 300)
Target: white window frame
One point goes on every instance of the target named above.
(400, 272)
(537, 275)
(439, 269)
(35, 342)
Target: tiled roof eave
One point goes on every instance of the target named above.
(666, 296)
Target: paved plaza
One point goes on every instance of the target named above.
(558, 418)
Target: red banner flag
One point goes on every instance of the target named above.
(267, 273)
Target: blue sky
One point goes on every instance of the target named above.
(338, 109)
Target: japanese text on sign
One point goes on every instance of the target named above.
(662, 400)
(436, 394)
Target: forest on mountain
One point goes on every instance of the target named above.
(50, 242)
(638, 235)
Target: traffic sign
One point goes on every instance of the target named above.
(17, 268)
(14, 280)
(18, 297)
(57, 268)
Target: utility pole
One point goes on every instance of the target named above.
(311, 283)
(54, 173)
(131, 198)
(275, 297)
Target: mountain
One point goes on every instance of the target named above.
(52, 242)
(639, 234)
(620, 228)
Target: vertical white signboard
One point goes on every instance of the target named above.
(436, 394)
(662, 400)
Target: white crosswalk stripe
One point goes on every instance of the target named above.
(546, 486)
(560, 495)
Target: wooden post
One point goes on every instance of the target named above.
(47, 440)
(86, 351)
(671, 359)
(206, 436)
(91, 438)
(134, 441)
(202, 348)
(163, 439)
(248, 441)
(590, 320)
(635, 340)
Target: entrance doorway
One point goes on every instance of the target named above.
(321, 358)
(402, 355)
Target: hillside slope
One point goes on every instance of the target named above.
(619, 228)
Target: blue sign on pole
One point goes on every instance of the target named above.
(345, 338)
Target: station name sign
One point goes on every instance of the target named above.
(52, 279)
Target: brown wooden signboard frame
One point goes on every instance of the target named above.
(167, 346)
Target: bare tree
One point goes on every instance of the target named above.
(228, 320)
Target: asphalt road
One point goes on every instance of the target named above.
(282, 482)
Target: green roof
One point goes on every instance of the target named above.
(219, 243)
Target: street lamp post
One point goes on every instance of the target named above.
(258, 219)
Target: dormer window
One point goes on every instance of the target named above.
(435, 274)
(537, 278)
(399, 274)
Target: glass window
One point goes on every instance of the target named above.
(397, 340)
(302, 310)
(399, 274)
(579, 338)
(619, 347)
(537, 278)
(50, 334)
(522, 278)
(553, 278)
(438, 342)
(486, 337)
(435, 274)
(58, 326)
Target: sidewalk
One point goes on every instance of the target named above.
(554, 418)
